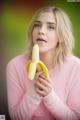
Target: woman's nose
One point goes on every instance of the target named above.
(42, 30)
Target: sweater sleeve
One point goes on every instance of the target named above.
(22, 105)
(71, 109)
(74, 94)
(58, 108)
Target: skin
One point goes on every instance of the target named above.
(45, 28)
(42, 85)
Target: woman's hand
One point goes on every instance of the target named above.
(42, 85)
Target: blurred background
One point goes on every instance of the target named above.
(15, 16)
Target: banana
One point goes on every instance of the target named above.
(35, 64)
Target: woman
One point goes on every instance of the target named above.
(58, 96)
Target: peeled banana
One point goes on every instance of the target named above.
(35, 64)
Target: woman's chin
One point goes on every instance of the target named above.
(42, 50)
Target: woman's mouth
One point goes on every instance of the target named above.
(41, 40)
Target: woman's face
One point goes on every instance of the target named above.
(44, 32)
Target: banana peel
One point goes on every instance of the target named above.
(35, 64)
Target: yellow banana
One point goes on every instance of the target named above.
(35, 64)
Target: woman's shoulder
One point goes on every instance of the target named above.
(73, 60)
(19, 59)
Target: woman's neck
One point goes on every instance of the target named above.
(47, 59)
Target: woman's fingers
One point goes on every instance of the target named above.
(40, 92)
(42, 76)
(44, 81)
(37, 75)
(42, 85)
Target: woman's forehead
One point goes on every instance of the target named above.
(46, 16)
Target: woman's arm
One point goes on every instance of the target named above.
(22, 105)
(58, 108)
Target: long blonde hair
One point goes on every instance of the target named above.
(64, 32)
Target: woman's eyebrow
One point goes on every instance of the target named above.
(51, 23)
(37, 21)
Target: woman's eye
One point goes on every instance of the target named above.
(36, 25)
(51, 27)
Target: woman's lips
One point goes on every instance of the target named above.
(40, 39)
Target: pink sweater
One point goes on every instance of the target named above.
(62, 103)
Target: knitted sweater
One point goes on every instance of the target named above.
(62, 103)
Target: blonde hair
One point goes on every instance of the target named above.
(64, 32)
